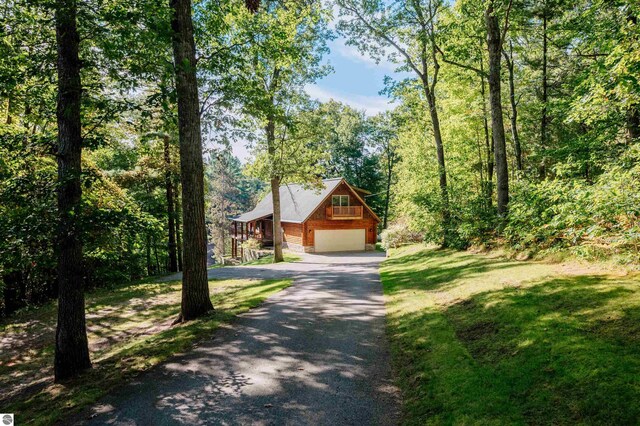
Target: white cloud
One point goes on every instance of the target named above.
(372, 105)
(353, 54)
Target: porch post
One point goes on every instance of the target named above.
(234, 246)
(241, 241)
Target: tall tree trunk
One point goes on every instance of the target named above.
(155, 254)
(72, 349)
(494, 44)
(442, 169)
(275, 195)
(388, 191)
(9, 108)
(487, 143)
(178, 233)
(544, 120)
(517, 148)
(481, 192)
(148, 252)
(633, 113)
(168, 182)
(195, 285)
(633, 124)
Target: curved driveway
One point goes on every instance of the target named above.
(313, 354)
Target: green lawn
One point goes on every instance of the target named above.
(483, 340)
(129, 330)
(266, 260)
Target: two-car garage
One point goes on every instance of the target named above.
(339, 240)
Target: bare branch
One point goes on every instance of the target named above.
(385, 37)
(506, 23)
(458, 64)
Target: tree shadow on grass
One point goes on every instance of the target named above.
(312, 355)
(125, 329)
(556, 351)
(438, 269)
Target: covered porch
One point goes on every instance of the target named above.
(260, 229)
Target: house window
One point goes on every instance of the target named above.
(340, 200)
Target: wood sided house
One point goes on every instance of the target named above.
(333, 218)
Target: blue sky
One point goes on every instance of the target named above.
(356, 80)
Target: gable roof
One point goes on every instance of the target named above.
(296, 202)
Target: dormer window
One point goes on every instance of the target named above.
(340, 200)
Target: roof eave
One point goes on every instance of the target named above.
(251, 220)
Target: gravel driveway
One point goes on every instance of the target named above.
(315, 353)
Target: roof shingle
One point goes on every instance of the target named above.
(296, 202)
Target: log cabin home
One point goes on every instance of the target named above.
(332, 218)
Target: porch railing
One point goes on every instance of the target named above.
(344, 212)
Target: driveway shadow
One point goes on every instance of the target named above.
(315, 353)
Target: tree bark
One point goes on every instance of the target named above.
(148, 253)
(195, 285)
(494, 44)
(487, 142)
(544, 120)
(155, 255)
(178, 213)
(633, 112)
(442, 169)
(275, 195)
(633, 124)
(9, 119)
(517, 148)
(72, 349)
(168, 181)
(388, 190)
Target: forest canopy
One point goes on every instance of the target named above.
(513, 123)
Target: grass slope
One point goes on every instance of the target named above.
(129, 330)
(482, 340)
(268, 259)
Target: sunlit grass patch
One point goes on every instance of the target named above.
(268, 259)
(482, 340)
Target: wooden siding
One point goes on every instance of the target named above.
(369, 225)
(320, 213)
(319, 220)
(292, 232)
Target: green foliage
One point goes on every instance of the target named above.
(574, 190)
(399, 234)
(566, 213)
(297, 153)
(229, 193)
(251, 244)
(286, 42)
(112, 224)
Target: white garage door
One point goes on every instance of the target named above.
(339, 240)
